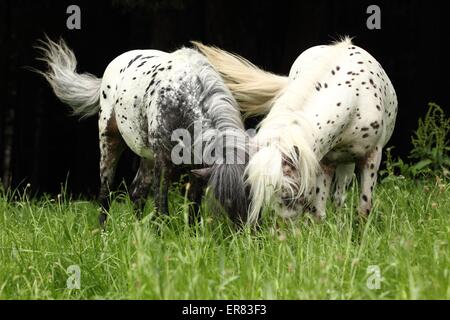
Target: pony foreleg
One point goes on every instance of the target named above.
(342, 178)
(195, 193)
(161, 176)
(323, 186)
(140, 186)
(368, 177)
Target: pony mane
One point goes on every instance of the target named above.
(285, 134)
(289, 140)
(227, 128)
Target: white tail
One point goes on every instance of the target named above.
(80, 91)
(254, 89)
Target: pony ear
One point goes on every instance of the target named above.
(297, 152)
(202, 173)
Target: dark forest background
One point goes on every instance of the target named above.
(42, 145)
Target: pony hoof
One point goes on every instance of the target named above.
(102, 217)
(363, 215)
(319, 216)
(364, 212)
(139, 214)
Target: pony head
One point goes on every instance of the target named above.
(226, 174)
(281, 172)
(224, 144)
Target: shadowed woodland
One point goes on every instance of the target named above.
(42, 145)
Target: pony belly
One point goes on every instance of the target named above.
(135, 137)
(141, 150)
(352, 149)
(139, 147)
(341, 156)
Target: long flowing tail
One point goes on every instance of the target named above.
(253, 88)
(80, 91)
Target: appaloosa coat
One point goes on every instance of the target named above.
(142, 99)
(337, 108)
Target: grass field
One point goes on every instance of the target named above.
(407, 237)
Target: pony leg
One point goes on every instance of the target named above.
(368, 177)
(111, 148)
(322, 191)
(195, 193)
(342, 177)
(141, 185)
(161, 175)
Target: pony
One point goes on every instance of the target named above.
(336, 110)
(143, 98)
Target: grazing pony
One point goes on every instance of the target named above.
(143, 98)
(336, 109)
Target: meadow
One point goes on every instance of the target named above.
(401, 252)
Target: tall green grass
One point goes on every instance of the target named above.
(407, 237)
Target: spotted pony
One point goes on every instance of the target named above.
(337, 109)
(143, 97)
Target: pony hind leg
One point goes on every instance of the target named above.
(140, 186)
(323, 187)
(342, 178)
(368, 168)
(161, 181)
(111, 147)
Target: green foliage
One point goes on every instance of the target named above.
(407, 236)
(431, 147)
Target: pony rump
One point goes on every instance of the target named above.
(80, 91)
(254, 89)
(298, 91)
